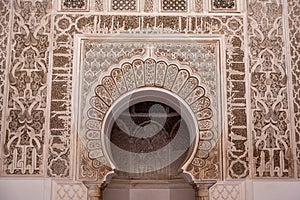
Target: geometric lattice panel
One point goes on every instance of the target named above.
(225, 192)
(128, 5)
(174, 5)
(68, 191)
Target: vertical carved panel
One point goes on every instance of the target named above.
(99, 5)
(59, 158)
(59, 140)
(25, 130)
(294, 20)
(4, 27)
(198, 5)
(148, 7)
(237, 153)
(270, 132)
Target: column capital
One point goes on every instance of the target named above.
(94, 190)
(202, 190)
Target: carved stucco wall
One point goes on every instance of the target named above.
(261, 63)
(188, 69)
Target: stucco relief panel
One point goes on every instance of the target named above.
(66, 26)
(202, 56)
(224, 5)
(23, 152)
(269, 100)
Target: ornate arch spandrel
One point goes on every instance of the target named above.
(129, 76)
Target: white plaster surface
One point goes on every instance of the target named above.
(267, 190)
(40, 189)
(25, 189)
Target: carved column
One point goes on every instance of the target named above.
(94, 191)
(202, 190)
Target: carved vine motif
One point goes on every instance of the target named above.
(271, 133)
(294, 20)
(25, 133)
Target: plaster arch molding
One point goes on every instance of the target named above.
(133, 81)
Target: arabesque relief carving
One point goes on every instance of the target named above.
(271, 133)
(146, 73)
(24, 118)
(68, 25)
(224, 4)
(23, 152)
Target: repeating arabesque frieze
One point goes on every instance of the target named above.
(24, 139)
(149, 5)
(294, 20)
(271, 132)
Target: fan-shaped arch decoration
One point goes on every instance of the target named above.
(132, 75)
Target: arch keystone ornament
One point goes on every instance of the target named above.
(150, 77)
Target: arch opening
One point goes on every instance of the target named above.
(149, 136)
(162, 105)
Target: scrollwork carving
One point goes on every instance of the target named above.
(271, 133)
(25, 133)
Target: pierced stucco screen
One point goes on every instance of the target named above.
(159, 68)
